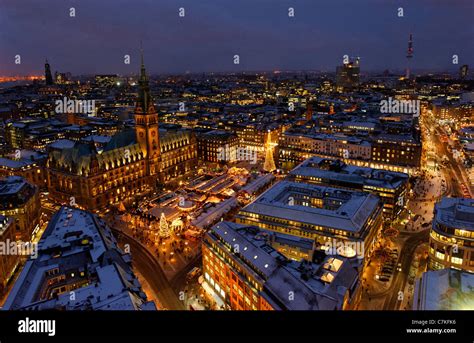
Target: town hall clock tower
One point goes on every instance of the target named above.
(146, 126)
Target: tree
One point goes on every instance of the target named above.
(269, 164)
(164, 231)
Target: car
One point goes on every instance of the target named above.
(193, 273)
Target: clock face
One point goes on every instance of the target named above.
(153, 133)
(141, 134)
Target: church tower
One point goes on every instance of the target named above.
(146, 125)
(47, 74)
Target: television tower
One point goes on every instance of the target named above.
(409, 55)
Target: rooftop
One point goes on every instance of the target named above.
(78, 250)
(339, 209)
(336, 170)
(446, 289)
(456, 212)
(316, 286)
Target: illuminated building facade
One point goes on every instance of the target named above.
(253, 137)
(396, 150)
(328, 216)
(348, 75)
(389, 152)
(247, 273)
(452, 235)
(295, 148)
(20, 200)
(8, 262)
(390, 187)
(32, 170)
(218, 146)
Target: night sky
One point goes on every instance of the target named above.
(213, 31)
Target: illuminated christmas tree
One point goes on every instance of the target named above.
(164, 231)
(269, 164)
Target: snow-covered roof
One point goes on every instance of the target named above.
(446, 289)
(79, 247)
(322, 287)
(354, 211)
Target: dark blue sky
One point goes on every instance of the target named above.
(213, 31)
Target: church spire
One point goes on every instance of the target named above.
(143, 76)
(145, 101)
(47, 74)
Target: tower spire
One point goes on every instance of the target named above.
(145, 101)
(47, 73)
(142, 70)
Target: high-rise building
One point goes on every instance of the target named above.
(452, 235)
(348, 75)
(463, 71)
(78, 266)
(409, 55)
(47, 74)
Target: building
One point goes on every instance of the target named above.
(245, 272)
(106, 80)
(79, 267)
(452, 235)
(132, 162)
(47, 74)
(399, 150)
(296, 147)
(20, 200)
(400, 153)
(446, 289)
(8, 262)
(330, 217)
(31, 167)
(390, 187)
(33, 134)
(254, 137)
(348, 75)
(218, 146)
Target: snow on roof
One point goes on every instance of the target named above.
(76, 241)
(455, 212)
(351, 215)
(12, 184)
(321, 168)
(446, 289)
(322, 288)
(62, 144)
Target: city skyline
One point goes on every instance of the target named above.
(168, 162)
(207, 38)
